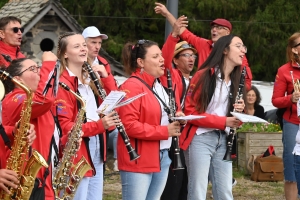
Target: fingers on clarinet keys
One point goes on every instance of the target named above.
(174, 129)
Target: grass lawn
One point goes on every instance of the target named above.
(245, 189)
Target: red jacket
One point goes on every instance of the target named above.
(103, 61)
(141, 119)
(204, 47)
(283, 84)
(13, 52)
(41, 118)
(67, 112)
(3, 148)
(177, 78)
(210, 121)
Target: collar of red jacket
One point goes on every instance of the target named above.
(210, 42)
(145, 76)
(295, 64)
(73, 80)
(7, 49)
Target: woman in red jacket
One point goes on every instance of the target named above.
(211, 94)
(285, 97)
(72, 51)
(30, 74)
(146, 123)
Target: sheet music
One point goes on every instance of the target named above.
(248, 118)
(110, 101)
(188, 117)
(128, 101)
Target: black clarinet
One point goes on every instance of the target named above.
(232, 132)
(177, 164)
(102, 93)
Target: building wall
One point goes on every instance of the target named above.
(49, 27)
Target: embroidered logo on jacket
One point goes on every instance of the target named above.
(18, 98)
(61, 108)
(190, 90)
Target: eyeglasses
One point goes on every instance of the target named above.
(16, 29)
(184, 46)
(33, 68)
(241, 47)
(187, 55)
(218, 27)
(296, 45)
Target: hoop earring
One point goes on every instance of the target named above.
(142, 70)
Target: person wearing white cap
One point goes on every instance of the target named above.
(94, 39)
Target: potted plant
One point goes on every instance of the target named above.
(254, 139)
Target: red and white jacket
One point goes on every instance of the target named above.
(3, 148)
(67, 112)
(41, 118)
(141, 119)
(12, 52)
(283, 89)
(210, 121)
(204, 47)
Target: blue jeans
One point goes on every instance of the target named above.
(289, 133)
(91, 188)
(297, 172)
(146, 186)
(204, 157)
(112, 142)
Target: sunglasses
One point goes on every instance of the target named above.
(296, 45)
(16, 29)
(139, 42)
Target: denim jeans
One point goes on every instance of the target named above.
(204, 157)
(91, 188)
(297, 172)
(289, 133)
(146, 186)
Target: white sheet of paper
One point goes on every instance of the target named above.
(128, 101)
(188, 117)
(110, 101)
(248, 118)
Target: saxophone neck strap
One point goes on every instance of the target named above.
(5, 137)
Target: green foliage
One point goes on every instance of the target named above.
(259, 127)
(264, 26)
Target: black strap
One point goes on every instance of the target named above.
(53, 143)
(166, 108)
(6, 57)
(5, 137)
(49, 162)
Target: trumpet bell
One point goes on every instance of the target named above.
(2, 90)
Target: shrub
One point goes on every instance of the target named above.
(259, 127)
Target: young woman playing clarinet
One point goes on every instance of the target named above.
(212, 94)
(146, 123)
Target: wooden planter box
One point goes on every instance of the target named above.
(252, 143)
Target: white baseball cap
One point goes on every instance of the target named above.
(92, 31)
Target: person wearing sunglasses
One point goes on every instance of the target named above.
(183, 56)
(34, 77)
(146, 123)
(285, 97)
(11, 37)
(219, 27)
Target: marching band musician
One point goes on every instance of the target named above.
(146, 123)
(285, 96)
(31, 75)
(9, 178)
(72, 51)
(211, 94)
(11, 37)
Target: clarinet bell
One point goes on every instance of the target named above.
(133, 155)
(227, 156)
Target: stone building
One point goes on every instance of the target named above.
(44, 21)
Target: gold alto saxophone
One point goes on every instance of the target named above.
(66, 176)
(17, 161)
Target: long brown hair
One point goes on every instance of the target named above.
(207, 81)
